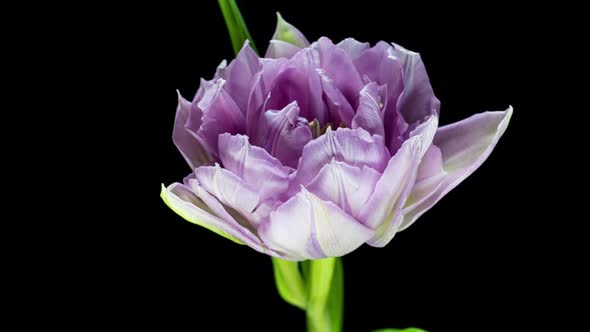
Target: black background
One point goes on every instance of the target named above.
(472, 263)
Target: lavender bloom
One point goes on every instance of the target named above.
(318, 148)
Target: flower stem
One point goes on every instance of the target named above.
(325, 295)
(318, 290)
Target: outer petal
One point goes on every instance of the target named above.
(353, 47)
(383, 211)
(191, 149)
(187, 205)
(369, 114)
(464, 146)
(351, 146)
(240, 74)
(309, 228)
(417, 100)
(228, 188)
(285, 134)
(281, 49)
(288, 33)
(253, 165)
(347, 186)
(220, 114)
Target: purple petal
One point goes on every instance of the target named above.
(220, 114)
(228, 188)
(281, 49)
(353, 47)
(240, 74)
(464, 146)
(384, 208)
(253, 165)
(288, 33)
(382, 212)
(418, 99)
(351, 146)
(339, 67)
(259, 92)
(299, 81)
(339, 108)
(309, 228)
(369, 114)
(185, 203)
(285, 134)
(263, 210)
(429, 178)
(191, 149)
(347, 186)
(380, 64)
(220, 71)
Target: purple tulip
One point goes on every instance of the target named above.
(318, 148)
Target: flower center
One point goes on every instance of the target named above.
(317, 131)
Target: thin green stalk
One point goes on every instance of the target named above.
(238, 32)
(324, 302)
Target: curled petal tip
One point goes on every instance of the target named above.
(288, 33)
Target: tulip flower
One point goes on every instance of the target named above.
(315, 149)
(318, 148)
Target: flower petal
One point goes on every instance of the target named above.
(384, 208)
(351, 146)
(381, 65)
(230, 217)
(220, 114)
(288, 33)
(369, 114)
(281, 49)
(240, 74)
(418, 99)
(347, 186)
(286, 134)
(228, 188)
(309, 228)
(261, 85)
(190, 148)
(353, 47)
(464, 146)
(299, 81)
(382, 212)
(339, 108)
(253, 165)
(187, 205)
(339, 67)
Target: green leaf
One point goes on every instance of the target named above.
(238, 32)
(410, 329)
(289, 282)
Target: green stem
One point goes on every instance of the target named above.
(318, 290)
(290, 283)
(325, 290)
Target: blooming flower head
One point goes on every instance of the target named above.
(318, 148)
